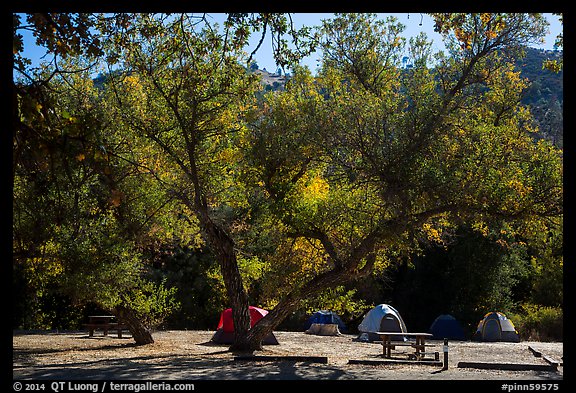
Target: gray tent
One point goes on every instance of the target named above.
(495, 326)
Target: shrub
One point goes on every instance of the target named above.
(539, 323)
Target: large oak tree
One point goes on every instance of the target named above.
(356, 162)
(338, 172)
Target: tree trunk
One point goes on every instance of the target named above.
(223, 246)
(288, 304)
(139, 331)
(237, 297)
(329, 279)
(266, 325)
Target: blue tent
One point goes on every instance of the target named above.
(325, 317)
(446, 326)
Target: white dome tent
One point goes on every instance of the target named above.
(382, 318)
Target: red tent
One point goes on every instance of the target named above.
(227, 323)
(225, 331)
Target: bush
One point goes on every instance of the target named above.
(539, 323)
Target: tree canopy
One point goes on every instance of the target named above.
(294, 192)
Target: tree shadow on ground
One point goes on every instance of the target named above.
(169, 367)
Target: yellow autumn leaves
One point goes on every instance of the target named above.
(316, 188)
(310, 192)
(478, 27)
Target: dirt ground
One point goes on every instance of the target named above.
(189, 355)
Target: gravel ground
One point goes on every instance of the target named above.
(189, 355)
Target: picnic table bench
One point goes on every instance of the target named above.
(104, 322)
(419, 344)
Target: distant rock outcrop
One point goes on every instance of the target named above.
(271, 81)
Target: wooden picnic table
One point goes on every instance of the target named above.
(100, 318)
(419, 343)
(103, 322)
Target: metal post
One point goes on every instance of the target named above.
(445, 349)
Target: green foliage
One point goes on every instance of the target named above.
(363, 47)
(342, 301)
(478, 32)
(467, 277)
(200, 293)
(547, 263)
(78, 230)
(152, 303)
(539, 323)
(40, 303)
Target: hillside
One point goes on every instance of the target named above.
(545, 96)
(546, 84)
(271, 81)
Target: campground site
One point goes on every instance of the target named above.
(192, 355)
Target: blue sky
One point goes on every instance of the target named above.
(414, 22)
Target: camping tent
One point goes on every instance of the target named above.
(324, 317)
(382, 318)
(496, 327)
(225, 330)
(446, 326)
